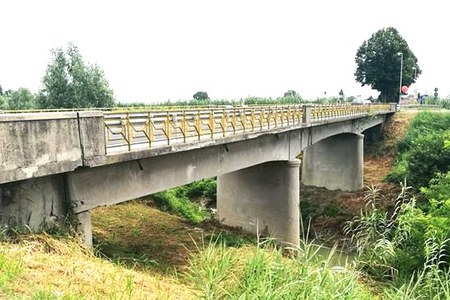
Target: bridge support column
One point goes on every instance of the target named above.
(84, 227)
(262, 199)
(335, 163)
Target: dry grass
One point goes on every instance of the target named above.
(139, 253)
(61, 267)
(141, 236)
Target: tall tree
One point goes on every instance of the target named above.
(201, 96)
(21, 99)
(291, 93)
(71, 83)
(3, 102)
(378, 63)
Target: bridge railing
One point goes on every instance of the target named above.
(132, 130)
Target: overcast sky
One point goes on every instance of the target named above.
(152, 51)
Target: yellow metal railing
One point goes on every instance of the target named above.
(133, 130)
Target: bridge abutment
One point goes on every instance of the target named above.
(263, 199)
(36, 203)
(335, 163)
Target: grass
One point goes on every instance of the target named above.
(151, 239)
(265, 272)
(45, 267)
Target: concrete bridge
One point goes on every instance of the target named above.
(57, 166)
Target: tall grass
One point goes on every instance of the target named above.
(178, 200)
(9, 269)
(265, 272)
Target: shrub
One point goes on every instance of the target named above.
(421, 153)
(175, 201)
(206, 188)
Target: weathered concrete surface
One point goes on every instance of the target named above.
(127, 176)
(110, 184)
(92, 136)
(262, 199)
(40, 144)
(336, 162)
(37, 202)
(84, 227)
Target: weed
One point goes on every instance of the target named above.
(265, 273)
(9, 269)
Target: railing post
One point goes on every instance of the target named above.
(393, 106)
(307, 114)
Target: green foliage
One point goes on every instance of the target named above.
(220, 273)
(9, 269)
(431, 283)
(378, 63)
(438, 190)
(206, 188)
(443, 102)
(3, 102)
(21, 99)
(421, 153)
(178, 201)
(410, 242)
(291, 93)
(201, 96)
(221, 102)
(71, 83)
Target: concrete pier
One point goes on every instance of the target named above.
(263, 199)
(84, 227)
(335, 163)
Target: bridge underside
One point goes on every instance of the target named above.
(335, 163)
(262, 199)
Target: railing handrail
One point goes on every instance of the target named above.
(152, 128)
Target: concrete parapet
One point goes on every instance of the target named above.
(262, 199)
(40, 144)
(307, 114)
(92, 137)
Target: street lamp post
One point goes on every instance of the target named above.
(401, 71)
(414, 68)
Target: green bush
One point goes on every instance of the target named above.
(421, 153)
(409, 240)
(176, 201)
(206, 188)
